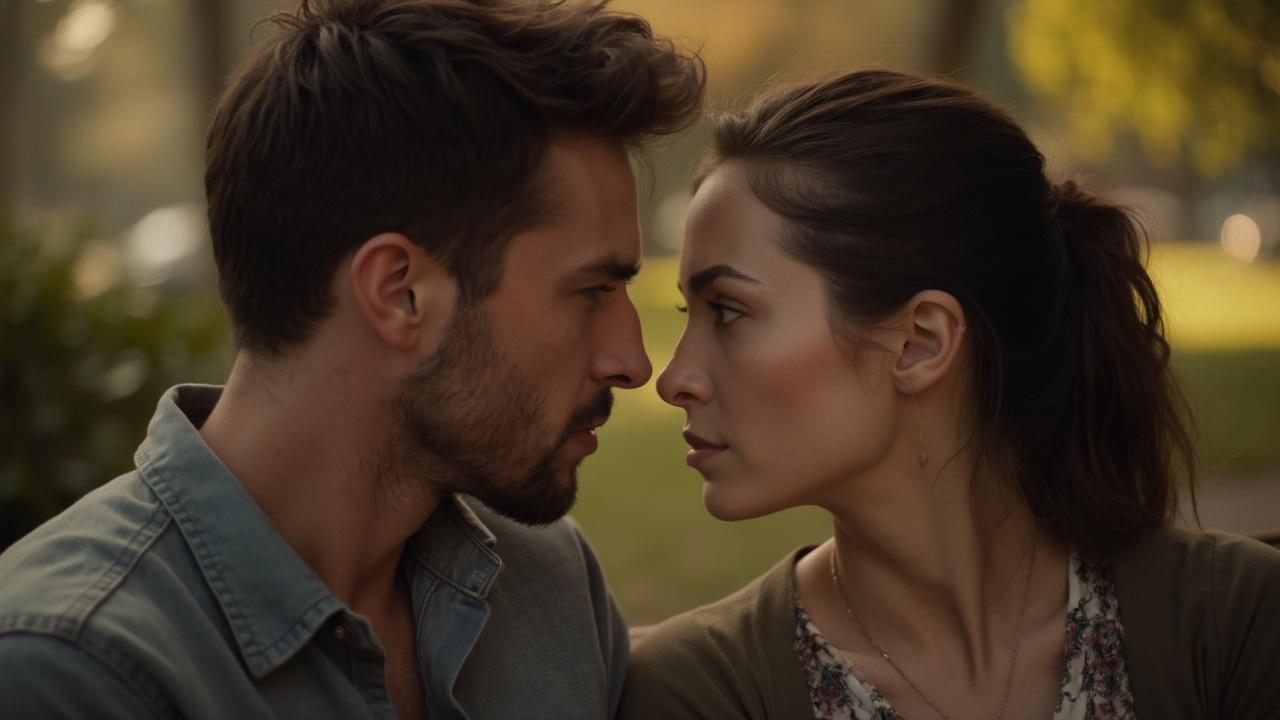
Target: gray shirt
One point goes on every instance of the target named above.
(168, 593)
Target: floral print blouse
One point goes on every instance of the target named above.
(1095, 685)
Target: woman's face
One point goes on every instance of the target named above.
(784, 417)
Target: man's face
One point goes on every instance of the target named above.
(509, 401)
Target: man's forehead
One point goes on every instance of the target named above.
(563, 249)
(581, 159)
(592, 219)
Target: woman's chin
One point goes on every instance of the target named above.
(731, 503)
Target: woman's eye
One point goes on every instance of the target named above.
(723, 314)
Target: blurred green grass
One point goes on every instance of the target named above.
(642, 507)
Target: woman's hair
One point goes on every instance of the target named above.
(893, 184)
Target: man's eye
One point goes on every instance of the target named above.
(723, 314)
(595, 291)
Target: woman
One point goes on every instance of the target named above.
(894, 316)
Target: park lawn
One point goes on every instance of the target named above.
(642, 508)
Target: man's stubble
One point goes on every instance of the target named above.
(477, 426)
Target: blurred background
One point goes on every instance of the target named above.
(107, 292)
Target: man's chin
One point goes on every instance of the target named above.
(539, 503)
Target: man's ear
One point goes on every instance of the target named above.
(405, 294)
(934, 325)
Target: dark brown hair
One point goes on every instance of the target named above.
(427, 117)
(894, 184)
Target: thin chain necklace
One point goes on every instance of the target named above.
(1017, 643)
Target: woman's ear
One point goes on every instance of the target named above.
(934, 325)
(405, 294)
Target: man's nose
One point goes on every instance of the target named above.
(621, 360)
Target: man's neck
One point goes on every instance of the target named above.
(306, 448)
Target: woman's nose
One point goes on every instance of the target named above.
(681, 383)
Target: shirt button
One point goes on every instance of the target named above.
(340, 632)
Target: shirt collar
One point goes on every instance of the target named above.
(455, 546)
(272, 600)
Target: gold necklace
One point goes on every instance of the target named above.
(1017, 643)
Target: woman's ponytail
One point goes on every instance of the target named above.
(1124, 422)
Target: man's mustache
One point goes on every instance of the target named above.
(593, 412)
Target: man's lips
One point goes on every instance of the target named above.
(585, 434)
(592, 425)
(583, 422)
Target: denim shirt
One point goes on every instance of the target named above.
(168, 593)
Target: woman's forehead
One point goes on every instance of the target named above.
(727, 223)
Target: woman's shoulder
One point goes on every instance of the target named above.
(1198, 610)
(1194, 555)
(1217, 577)
(711, 645)
(719, 660)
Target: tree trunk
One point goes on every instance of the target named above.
(953, 44)
(209, 35)
(10, 37)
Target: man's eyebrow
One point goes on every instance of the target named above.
(612, 267)
(701, 279)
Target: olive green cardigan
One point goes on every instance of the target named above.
(1200, 612)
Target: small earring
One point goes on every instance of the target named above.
(924, 456)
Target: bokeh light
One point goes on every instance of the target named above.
(1241, 238)
(69, 51)
(162, 240)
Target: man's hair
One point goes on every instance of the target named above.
(430, 118)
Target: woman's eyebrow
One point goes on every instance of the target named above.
(701, 279)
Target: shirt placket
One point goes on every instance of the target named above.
(451, 616)
(353, 638)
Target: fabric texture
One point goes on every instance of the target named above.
(168, 593)
(1199, 612)
(1095, 682)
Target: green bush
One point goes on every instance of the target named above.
(80, 372)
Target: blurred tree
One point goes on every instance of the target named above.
(953, 40)
(85, 357)
(209, 33)
(1194, 76)
(10, 53)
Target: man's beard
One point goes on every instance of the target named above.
(480, 427)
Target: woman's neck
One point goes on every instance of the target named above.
(939, 563)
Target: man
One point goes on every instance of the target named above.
(424, 218)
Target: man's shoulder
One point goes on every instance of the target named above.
(73, 614)
(45, 676)
(550, 600)
(545, 566)
(60, 573)
(111, 575)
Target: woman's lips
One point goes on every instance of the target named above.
(698, 457)
(702, 450)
